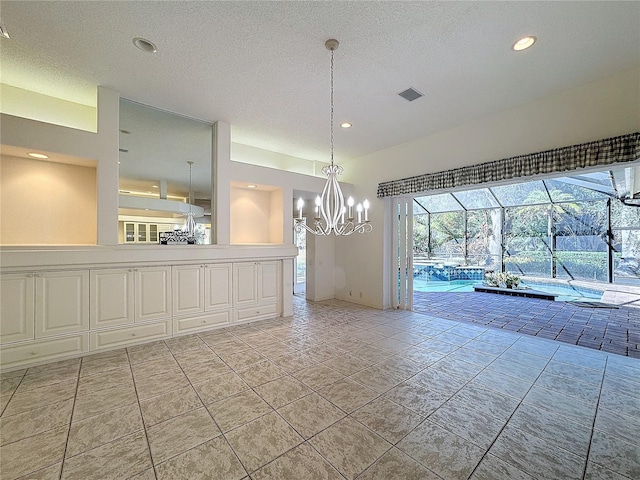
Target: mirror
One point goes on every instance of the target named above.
(154, 179)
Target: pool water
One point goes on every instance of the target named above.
(565, 293)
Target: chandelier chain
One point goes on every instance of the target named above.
(332, 107)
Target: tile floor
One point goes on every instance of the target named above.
(336, 391)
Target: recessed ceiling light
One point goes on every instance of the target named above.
(38, 155)
(345, 125)
(145, 45)
(154, 186)
(524, 43)
(252, 186)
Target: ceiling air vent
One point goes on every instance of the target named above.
(410, 94)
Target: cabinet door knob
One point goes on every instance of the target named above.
(133, 334)
(34, 353)
(204, 321)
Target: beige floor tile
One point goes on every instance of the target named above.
(33, 453)
(615, 453)
(108, 364)
(238, 409)
(395, 465)
(9, 385)
(95, 403)
(182, 344)
(195, 356)
(46, 378)
(102, 381)
(348, 395)
(378, 378)
(282, 391)
(318, 376)
(148, 474)
(350, 446)
(260, 373)
(33, 422)
(95, 431)
(311, 414)
(157, 384)
(487, 401)
(164, 364)
(432, 445)
(220, 387)
(294, 362)
(370, 354)
(554, 429)
(388, 419)
(303, 462)
(492, 468)
(39, 397)
(598, 472)
(70, 363)
(323, 352)
(473, 425)
(48, 473)
(202, 372)
(241, 360)
(4, 401)
(346, 364)
(4, 375)
(148, 352)
(163, 407)
(262, 440)
(230, 346)
(179, 434)
(535, 456)
(213, 460)
(117, 460)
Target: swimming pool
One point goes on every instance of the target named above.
(565, 293)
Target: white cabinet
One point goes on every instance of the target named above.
(255, 290)
(217, 287)
(17, 307)
(112, 297)
(124, 296)
(36, 305)
(152, 287)
(61, 303)
(245, 284)
(188, 289)
(201, 296)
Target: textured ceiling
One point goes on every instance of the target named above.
(262, 66)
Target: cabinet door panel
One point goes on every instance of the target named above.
(62, 302)
(268, 282)
(218, 287)
(16, 308)
(112, 300)
(152, 293)
(188, 289)
(245, 284)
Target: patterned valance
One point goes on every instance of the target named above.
(625, 148)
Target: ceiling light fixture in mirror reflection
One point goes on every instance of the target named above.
(155, 146)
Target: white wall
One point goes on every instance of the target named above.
(603, 109)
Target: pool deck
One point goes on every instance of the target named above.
(614, 330)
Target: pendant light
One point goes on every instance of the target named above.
(332, 216)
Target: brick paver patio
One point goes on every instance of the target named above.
(615, 330)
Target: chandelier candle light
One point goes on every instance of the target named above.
(330, 209)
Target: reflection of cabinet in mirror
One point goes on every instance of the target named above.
(136, 232)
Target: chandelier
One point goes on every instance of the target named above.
(332, 216)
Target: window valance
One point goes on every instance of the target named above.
(625, 148)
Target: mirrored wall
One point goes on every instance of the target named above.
(157, 190)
